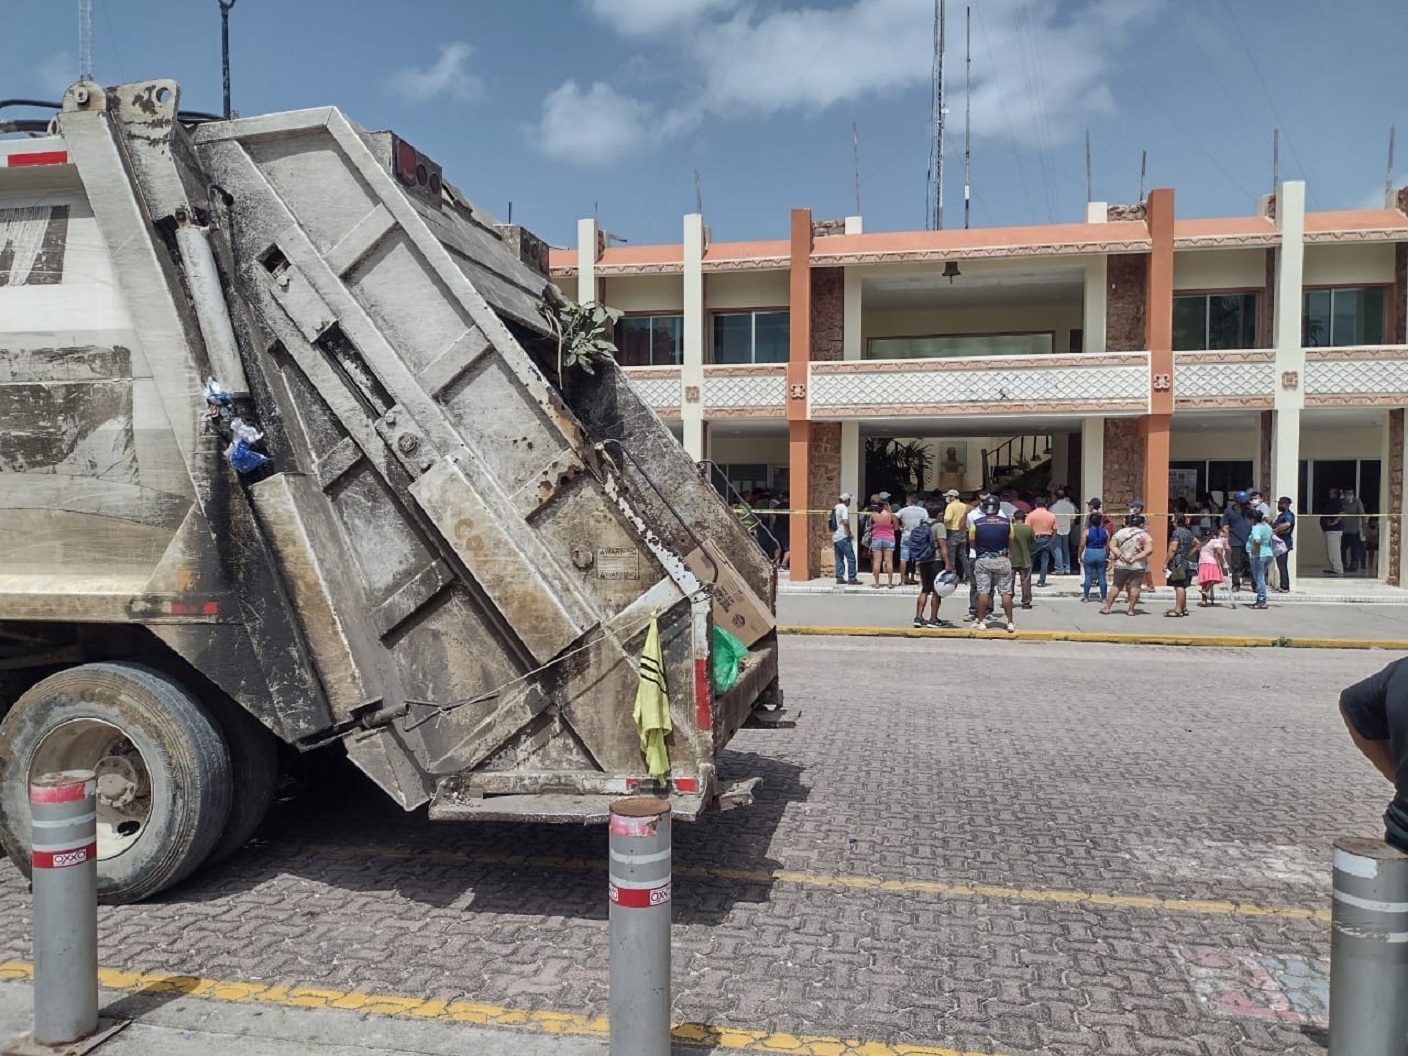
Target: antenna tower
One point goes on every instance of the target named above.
(225, 6)
(85, 40)
(936, 149)
(967, 111)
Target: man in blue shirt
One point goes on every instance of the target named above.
(1239, 528)
(990, 536)
(1285, 529)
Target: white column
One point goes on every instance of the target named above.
(1290, 356)
(1096, 291)
(850, 466)
(586, 261)
(692, 368)
(854, 226)
(1092, 460)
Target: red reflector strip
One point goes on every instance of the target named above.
(73, 793)
(638, 897)
(703, 705)
(38, 157)
(64, 859)
(686, 784)
(206, 608)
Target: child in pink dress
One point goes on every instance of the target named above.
(1212, 566)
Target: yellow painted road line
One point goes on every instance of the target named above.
(851, 883)
(539, 1022)
(1221, 641)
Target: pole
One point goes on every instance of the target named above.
(855, 150)
(1275, 159)
(940, 115)
(225, 6)
(85, 40)
(1388, 179)
(1089, 195)
(1369, 949)
(967, 112)
(65, 877)
(1143, 167)
(639, 890)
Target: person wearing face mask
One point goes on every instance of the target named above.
(1352, 548)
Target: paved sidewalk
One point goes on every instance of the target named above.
(178, 1025)
(1057, 609)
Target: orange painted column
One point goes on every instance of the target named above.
(799, 426)
(1158, 316)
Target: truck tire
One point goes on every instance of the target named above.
(254, 773)
(163, 769)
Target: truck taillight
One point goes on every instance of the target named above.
(414, 170)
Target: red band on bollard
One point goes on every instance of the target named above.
(638, 897)
(73, 793)
(625, 825)
(64, 859)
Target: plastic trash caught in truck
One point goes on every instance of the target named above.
(652, 710)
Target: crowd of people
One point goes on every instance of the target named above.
(1000, 543)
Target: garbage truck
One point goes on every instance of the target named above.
(293, 454)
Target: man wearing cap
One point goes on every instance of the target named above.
(990, 536)
(974, 514)
(1136, 509)
(1376, 713)
(956, 532)
(911, 516)
(841, 541)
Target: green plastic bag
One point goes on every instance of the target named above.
(729, 654)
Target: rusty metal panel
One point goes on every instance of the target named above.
(307, 556)
(497, 561)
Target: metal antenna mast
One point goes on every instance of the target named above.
(855, 148)
(1388, 180)
(225, 6)
(967, 111)
(85, 40)
(936, 154)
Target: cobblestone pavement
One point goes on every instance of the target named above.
(1046, 775)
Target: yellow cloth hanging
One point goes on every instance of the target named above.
(652, 711)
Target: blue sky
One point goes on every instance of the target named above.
(564, 107)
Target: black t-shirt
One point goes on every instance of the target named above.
(1378, 709)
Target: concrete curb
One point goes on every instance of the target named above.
(1216, 641)
(1064, 593)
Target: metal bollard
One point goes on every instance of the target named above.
(63, 809)
(639, 889)
(1369, 950)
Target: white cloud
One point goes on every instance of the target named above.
(644, 18)
(1040, 72)
(447, 77)
(594, 127)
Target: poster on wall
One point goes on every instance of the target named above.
(1183, 484)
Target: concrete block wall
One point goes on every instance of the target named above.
(1127, 277)
(1124, 466)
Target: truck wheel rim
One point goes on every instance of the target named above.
(124, 781)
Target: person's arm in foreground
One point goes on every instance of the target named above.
(1377, 752)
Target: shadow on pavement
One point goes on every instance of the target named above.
(331, 826)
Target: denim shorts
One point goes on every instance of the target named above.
(882, 544)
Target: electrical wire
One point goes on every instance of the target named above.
(1270, 102)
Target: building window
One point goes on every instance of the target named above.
(1207, 321)
(960, 345)
(751, 337)
(1351, 316)
(650, 340)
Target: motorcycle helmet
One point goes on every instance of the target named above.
(945, 583)
(1242, 496)
(992, 505)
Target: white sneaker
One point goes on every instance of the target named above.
(980, 625)
(1011, 627)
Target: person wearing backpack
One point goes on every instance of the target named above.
(1182, 545)
(1093, 540)
(841, 540)
(928, 549)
